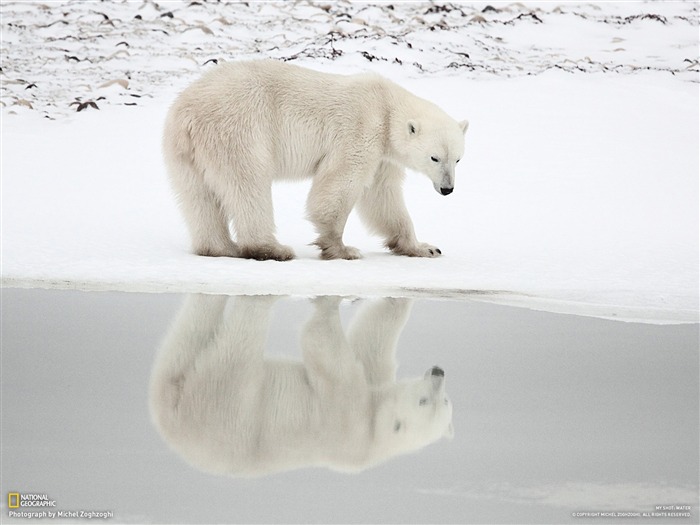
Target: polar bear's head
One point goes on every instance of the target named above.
(414, 414)
(434, 144)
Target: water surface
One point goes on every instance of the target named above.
(552, 414)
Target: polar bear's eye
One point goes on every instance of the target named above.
(434, 159)
(457, 161)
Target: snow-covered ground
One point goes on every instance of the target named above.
(578, 191)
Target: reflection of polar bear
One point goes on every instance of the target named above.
(226, 409)
(245, 124)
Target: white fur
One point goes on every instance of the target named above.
(243, 125)
(227, 409)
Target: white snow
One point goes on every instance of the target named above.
(578, 192)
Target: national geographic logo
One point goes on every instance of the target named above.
(15, 500)
(40, 506)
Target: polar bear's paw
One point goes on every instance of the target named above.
(340, 251)
(420, 249)
(266, 252)
(217, 251)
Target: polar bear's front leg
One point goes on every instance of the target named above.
(328, 357)
(382, 209)
(374, 333)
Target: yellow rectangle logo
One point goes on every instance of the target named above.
(13, 500)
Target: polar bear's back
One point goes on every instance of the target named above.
(278, 84)
(275, 97)
(279, 117)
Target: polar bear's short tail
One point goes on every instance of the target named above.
(207, 223)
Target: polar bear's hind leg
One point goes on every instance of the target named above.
(249, 203)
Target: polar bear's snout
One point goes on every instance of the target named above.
(436, 370)
(446, 184)
(444, 188)
(436, 376)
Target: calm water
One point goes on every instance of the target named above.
(133, 404)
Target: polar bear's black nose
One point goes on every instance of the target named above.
(446, 191)
(437, 371)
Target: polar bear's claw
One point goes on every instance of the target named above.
(419, 250)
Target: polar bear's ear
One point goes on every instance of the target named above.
(412, 127)
(464, 125)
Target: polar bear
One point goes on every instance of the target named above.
(243, 125)
(226, 409)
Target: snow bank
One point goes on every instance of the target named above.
(578, 191)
